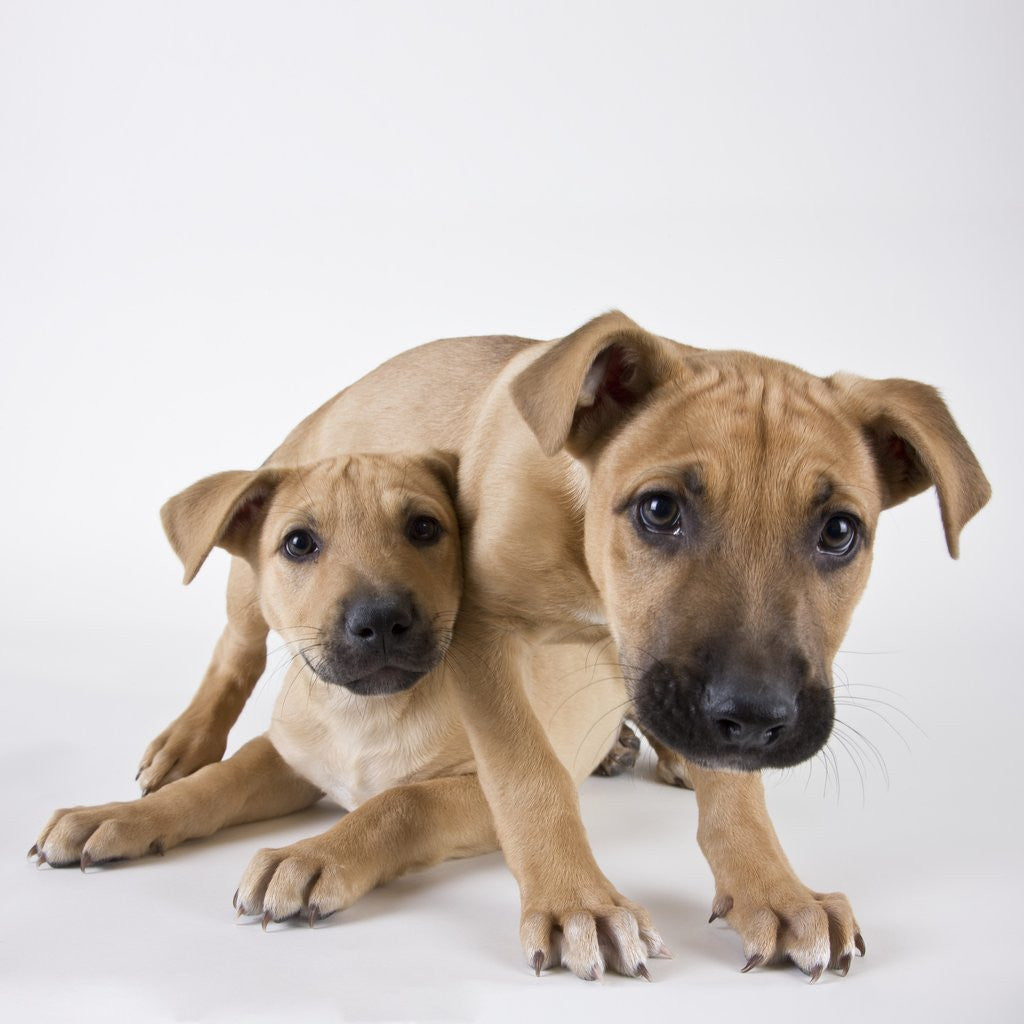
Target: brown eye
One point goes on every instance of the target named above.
(659, 512)
(838, 536)
(423, 530)
(300, 545)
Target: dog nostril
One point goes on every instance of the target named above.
(365, 634)
(729, 729)
(772, 734)
(399, 628)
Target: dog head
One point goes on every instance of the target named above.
(357, 559)
(731, 510)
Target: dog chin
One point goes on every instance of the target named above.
(378, 682)
(385, 681)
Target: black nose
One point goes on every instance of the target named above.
(748, 720)
(379, 621)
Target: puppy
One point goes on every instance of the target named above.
(356, 563)
(712, 515)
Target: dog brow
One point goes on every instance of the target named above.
(824, 493)
(305, 512)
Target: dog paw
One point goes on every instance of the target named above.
(308, 879)
(586, 935)
(182, 748)
(87, 836)
(623, 754)
(672, 769)
(814, 930)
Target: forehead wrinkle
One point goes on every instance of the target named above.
(761, 432)
(768, 464)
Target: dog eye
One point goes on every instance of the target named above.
(659, 512)
(423, 530)
(838, 536)
(300, 545)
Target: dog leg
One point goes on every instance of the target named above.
(253, 785)
(673, 769)
(757, 891)
(411, 826)
(199, 735)
(623, 754)
(571, 913)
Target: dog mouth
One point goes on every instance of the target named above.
(385, 679)
(741, 733)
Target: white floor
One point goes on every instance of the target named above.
(932, 863)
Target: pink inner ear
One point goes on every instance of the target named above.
(897, 450)
(246, 514)
(618, 375)
(902, 460)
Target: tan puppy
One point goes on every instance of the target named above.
(356, 564)
(711, 512)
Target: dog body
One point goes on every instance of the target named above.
(713, 514)
(356, 563)
(353, 747)
(707, 516)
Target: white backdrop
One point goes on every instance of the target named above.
(214, 215)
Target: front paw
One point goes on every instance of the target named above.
(97, 835)
(587, 931)
(786, 920)
(184, 747)
(309, 878)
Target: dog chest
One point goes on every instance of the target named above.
(349, 746)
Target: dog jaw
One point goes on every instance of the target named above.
(388, 679)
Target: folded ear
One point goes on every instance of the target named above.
(224, 510)
(916, 444)
(578, 391)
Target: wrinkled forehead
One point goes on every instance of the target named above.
(742, 429)
(361, 492)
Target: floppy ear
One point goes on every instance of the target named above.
(916, 444)
(225, 509)
(584, 386)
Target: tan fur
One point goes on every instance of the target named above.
(402, 759)
(557, 442)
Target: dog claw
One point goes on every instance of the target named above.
(720, 908)
(86, 861)
(234, 900)
(33, 851)
(268, 918)
(816, 973)
(157, 847)
(755, 961)
(314, 915)
(843, 967)
(858, 941)
(537, 962)
(642, 972)
(40, 859)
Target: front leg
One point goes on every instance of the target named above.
(199, 735)
(756, 889)
(253, 785)
(411, 826)
(571, 913)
